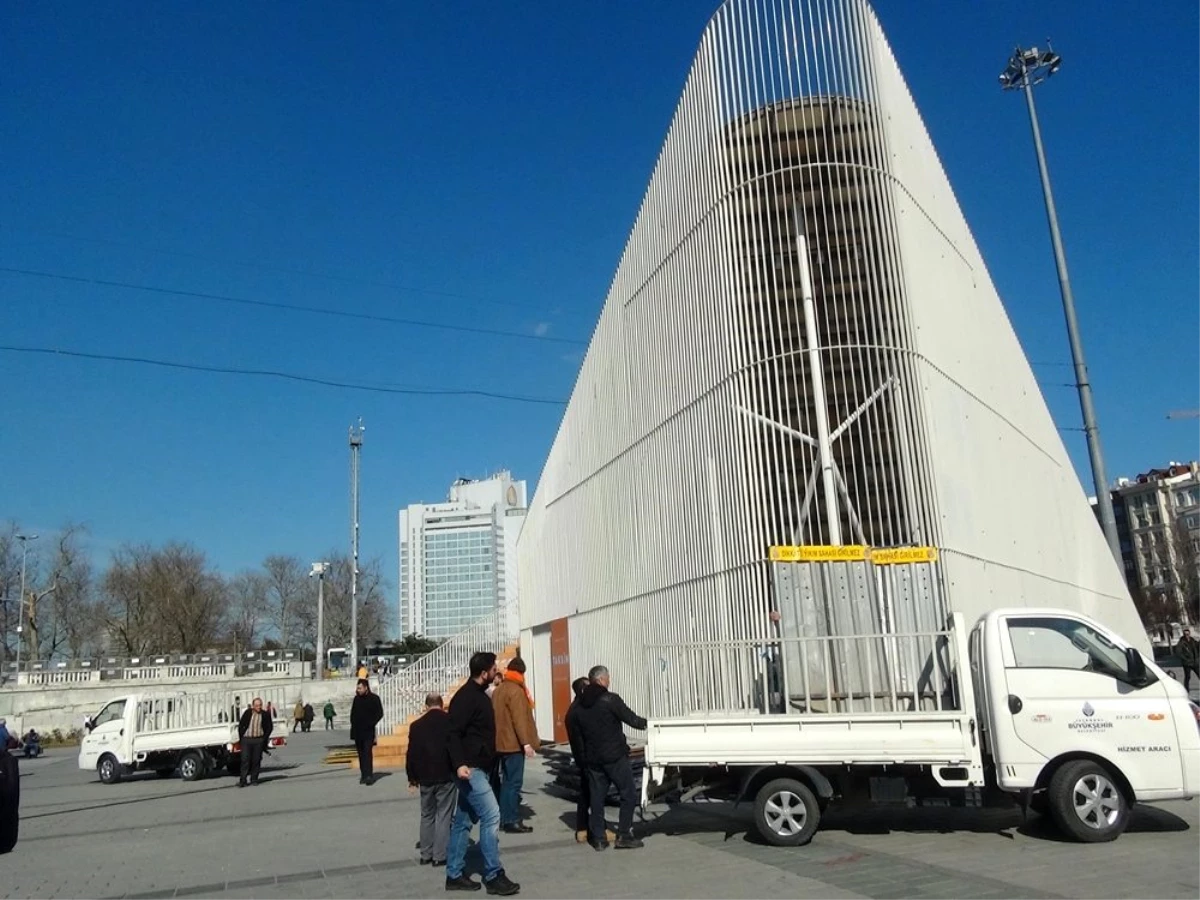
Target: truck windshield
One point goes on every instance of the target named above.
(114, 710)
(1056, 643)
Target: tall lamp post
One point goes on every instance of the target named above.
(24, 539)
(318, 571)
(1027, 68)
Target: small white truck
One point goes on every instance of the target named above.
(196, 734)
(1043, 707)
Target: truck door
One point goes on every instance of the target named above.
(106, 735)
(1069, 690)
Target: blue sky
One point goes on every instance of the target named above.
(480, 164)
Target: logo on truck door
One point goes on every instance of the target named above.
(1089, 722)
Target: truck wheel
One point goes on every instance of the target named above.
(109, 769)
(1086, 802)
(786, 813)
(191, 766)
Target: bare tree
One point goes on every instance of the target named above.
(249, 608)
(164, 600)
(373, 617)
(288, 589)
(63, 603)
(1157, 610)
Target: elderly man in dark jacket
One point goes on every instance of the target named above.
(430, 771)
(600, 716)
(254, 730)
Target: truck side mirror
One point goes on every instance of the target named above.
(1135, 666)
(88, 723)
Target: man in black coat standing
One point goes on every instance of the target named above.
(365, 713)
(600, 715)
(254, 730)
(578, 753)
(430, 770)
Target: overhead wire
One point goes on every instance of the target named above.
(289, 376)
(295, 307)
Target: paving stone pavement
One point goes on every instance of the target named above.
(312, 832)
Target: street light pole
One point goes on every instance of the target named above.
(1027, 68)
(356, 440)
(24, 539)
(319, 569)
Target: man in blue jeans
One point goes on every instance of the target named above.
(472, 743)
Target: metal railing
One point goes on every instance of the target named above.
(860, 673)
(168, 712)
(403, 694)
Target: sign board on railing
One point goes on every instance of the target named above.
(889, 556)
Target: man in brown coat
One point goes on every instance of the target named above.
(516, 741)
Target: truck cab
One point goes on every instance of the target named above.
(1059, 693)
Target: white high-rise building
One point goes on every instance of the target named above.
(458, 559)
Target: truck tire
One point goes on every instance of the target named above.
(109, 770)
(1087, 803)
(191, 766)
(786, 813)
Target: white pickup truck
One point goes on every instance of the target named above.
(195, 734)
(1043, 707)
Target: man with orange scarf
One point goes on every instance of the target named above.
(516, 741)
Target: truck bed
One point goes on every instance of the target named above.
(924, 738)
(183, 738)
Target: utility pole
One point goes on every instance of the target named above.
(356, 440)
(319, 569)
(1027, 68)
(24, 539)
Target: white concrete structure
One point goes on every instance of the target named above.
(801, 346)
(458, 558)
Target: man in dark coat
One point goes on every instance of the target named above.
(254, 730)
(600, 715)
(583, 805)
(429, 769)
(10, 800)
(365, 713)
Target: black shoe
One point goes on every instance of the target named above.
(599, 845)
(516, 828)
(501, 886)
(369, 780)
(438, 863)
(417, 845)
(628, 842)
(253, 782)
(462, 883)
(426, 862)
(241, 784)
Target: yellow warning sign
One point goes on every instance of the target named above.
(816, 553)
(899, 555)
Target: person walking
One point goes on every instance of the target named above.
(600, 715)
(298, 716)
(429, 770)
(1188, 651)
(329, 712)
(583, 805)
(254, 730)
(365, 713)
(309, 715)
(516, 741)
(471, 739)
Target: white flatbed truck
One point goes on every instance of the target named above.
(194, 734)
(1044, 707)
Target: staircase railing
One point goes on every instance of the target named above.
(404, 693)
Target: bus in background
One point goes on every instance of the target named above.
(337, 659)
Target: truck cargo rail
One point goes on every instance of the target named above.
(857, 673)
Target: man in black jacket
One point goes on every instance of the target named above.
(472, 743)
(583, 806)
(254, 730)
(10, 800)
(365, 713)
(599, 716)
(428, 767)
